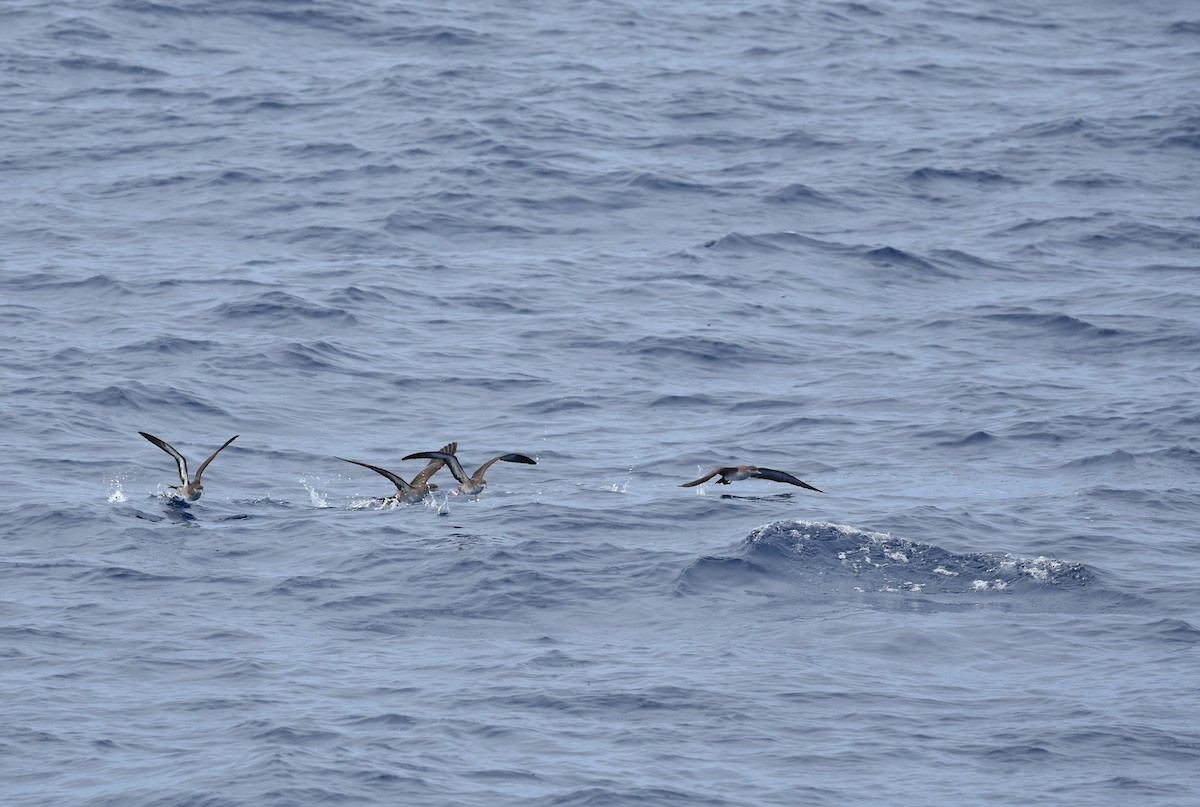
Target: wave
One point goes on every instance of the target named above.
(1054, 128)
(436, 35)
(855, 254)
(1139, 234)
(960, 175)
(169, 345)
(568, 403)
(821, 559)
(1112, 459)
(96, 286)
(800, 194)
(767, 242)
(702, 350)
(277, 305)
(1174, 630)
(898, 258)
(110, 66)
(138, 397)
(1056, 324)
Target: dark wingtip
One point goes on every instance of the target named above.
(519, 458)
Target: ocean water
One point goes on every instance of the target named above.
(940, 260)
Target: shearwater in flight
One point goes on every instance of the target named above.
(188, 490)
(740, 472)
(410, 491)
(474, 484)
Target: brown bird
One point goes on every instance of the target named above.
(474, 484)
(186, 490)
(740, 472)
(410, 491)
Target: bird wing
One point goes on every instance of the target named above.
(212, 457)
(781, 476)
(451, 462)
(400, 484)
(702, 479)
(521, 458)
(180, 462)
(435, 465)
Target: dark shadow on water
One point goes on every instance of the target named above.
(178, 510)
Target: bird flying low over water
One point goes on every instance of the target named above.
(417, 489)
(739, 472)
(474, 484)
(188, 490)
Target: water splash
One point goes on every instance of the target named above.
(319, 498)
(442, 507)
(624, 487)
(116, 493)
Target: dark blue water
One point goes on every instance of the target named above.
(941, 261)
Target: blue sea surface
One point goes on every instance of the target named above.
(939, 260)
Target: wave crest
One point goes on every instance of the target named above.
(821, 558)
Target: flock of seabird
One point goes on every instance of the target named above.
(189, 489)
(414, 491)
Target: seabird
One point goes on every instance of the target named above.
(186, 490)
(410, 491)
(740, 472)
(474, 484)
